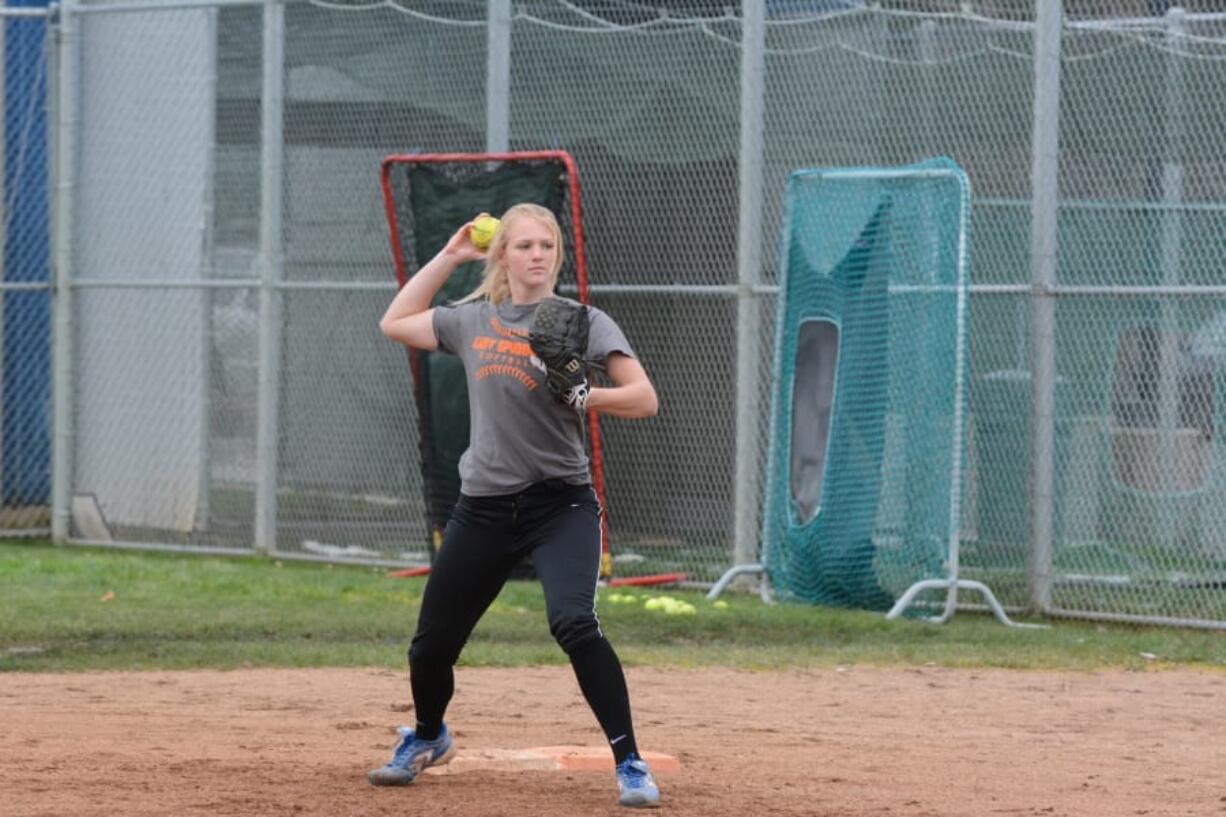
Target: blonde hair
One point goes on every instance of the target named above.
(495, 284)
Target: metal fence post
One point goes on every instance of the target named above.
(749, 265)
(271, 158)
(498, 78)
(1171, 262)
(66, 122)
(1044, 227)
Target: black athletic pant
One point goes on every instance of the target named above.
(559, 524)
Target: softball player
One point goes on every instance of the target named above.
(524, 484)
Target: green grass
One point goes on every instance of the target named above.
(171, 611)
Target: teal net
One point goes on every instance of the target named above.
(865, 461)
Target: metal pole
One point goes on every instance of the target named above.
(207, 296)
(1171, 262)
(927, 49)
(960, 373)
(749, 265)
(1043, 245)
(66, 123)
(271, 158)
(498, 78)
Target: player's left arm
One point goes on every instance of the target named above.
(631, 395)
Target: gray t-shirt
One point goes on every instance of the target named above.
(518, 434)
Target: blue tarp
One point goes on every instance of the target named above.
(25, 444)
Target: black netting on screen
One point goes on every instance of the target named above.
(431, 200)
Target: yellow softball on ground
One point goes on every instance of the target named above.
(482, 231)
(680, 608)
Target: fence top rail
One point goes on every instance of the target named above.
(1121, 205)
(161, 5)
(26, 11)
(666, 20)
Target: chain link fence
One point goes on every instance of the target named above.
(224, 386)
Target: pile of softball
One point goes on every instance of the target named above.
(662, 604)
(669, 606)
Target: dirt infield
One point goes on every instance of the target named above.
(846, 742)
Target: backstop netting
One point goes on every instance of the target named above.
(865, 461)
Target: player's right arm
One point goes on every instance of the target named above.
(409, 318)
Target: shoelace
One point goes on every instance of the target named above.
(403, 750)
(635, 772)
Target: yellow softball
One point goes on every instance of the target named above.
(482, 231)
